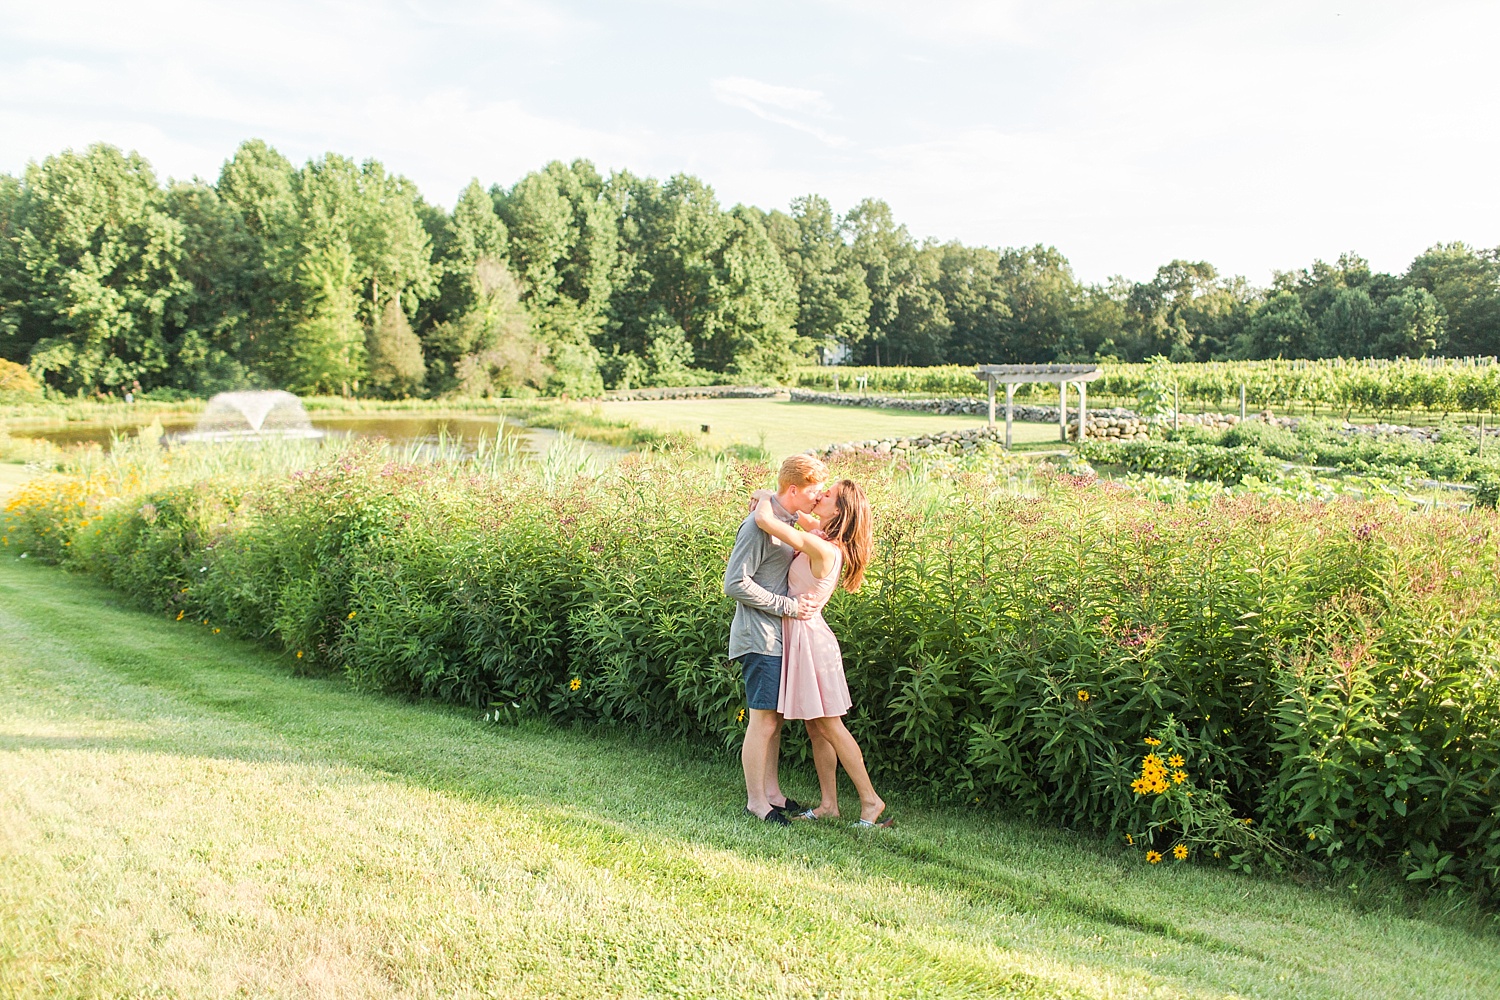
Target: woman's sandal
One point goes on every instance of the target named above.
(791, 805)
(879, 824)
(806, 814)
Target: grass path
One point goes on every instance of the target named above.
(788, 428)
(180, 816)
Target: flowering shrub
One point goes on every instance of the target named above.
(1328, 671)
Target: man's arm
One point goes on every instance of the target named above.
(744, 560)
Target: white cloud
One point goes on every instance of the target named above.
(759, 98)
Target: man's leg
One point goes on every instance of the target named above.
(762, 731)
(774, 794)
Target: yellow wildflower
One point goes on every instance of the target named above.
(1180, 852)
(574, 684)
(1176, 760)
(1129, 840)
(352, 614)
(180, 614)
(299, 654)
(742, 719)
(1152, 741)
(216, 631)
(1083, 695)
(1154, 857)
(1178, 777)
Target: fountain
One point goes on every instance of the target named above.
(252, 416)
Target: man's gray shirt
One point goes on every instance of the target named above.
(756, 579)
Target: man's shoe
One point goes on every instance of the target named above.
(773, 817)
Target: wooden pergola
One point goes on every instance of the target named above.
(1012, 375)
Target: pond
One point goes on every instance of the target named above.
(399, 428)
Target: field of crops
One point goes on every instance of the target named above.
(1334, 385)
(1246, 681)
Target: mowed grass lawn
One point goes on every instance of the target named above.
(180, 816)
(787, 428)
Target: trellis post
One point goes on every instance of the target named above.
(1010, 398)
(1062, 410)
(1083, 410)
(992, 403)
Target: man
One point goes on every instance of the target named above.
(756, 579)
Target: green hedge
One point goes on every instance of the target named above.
(1326, 672)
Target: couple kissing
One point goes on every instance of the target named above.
(795, 547)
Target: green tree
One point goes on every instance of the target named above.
(491, 349)
(1466, 284)
(1281, 328)
(473, 232)
(1413, 326)
(395, 354)
(1043, 298)
(94, 259)
(257, 185)
(564, 248)
(908, 321)
(376, 216)
(833, 301)
(326, 348)
(12, 287)
(974, 299)
(1349, 327)
(209, 324)
(1186, 313)
(715, 275)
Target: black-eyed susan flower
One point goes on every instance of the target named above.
(1083, 695)
(574, 684)
(299, 654)
(216, 631)
(1152, 741)
(741, 718)
(351, 615)
(1129, 840)
(1154, 857)
(1175, 760)
(1178, 777)
(1180, 852)
(180, 614)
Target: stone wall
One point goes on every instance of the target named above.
(694, 392)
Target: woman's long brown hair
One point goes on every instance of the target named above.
(851, 528)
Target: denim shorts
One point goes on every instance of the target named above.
(762, 679)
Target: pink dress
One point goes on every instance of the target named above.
(812, 667)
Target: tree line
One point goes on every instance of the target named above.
(339, 276)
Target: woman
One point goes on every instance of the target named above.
(834, 549)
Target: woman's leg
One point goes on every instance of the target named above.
(832, 729)
(826, 760)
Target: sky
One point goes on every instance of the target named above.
(1255, 135)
